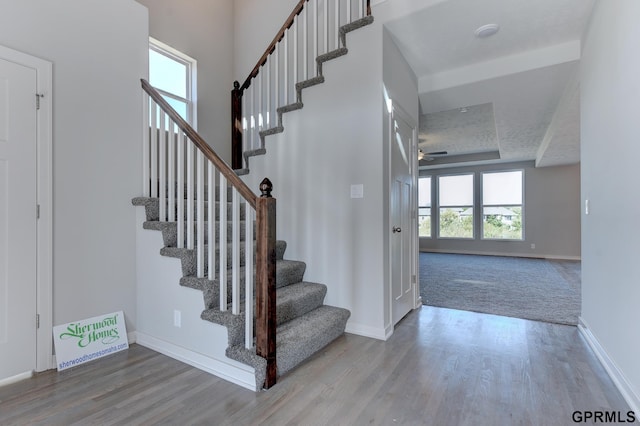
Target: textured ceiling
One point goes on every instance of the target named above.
(516, 79)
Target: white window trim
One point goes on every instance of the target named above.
(482, 205)
(192, 85)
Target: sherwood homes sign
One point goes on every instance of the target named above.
(83, 341)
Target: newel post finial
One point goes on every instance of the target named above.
(265, 188)
(236, 85)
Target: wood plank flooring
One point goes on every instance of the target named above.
(440, 367)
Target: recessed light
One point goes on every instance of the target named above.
(487, 30)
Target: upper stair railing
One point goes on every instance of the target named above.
(179, 178)
(311, 33)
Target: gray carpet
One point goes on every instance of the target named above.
(535, 289)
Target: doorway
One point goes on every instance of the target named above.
(25, 215)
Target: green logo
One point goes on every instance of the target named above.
(105, 331)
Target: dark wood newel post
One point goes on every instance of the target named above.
(368, 7)
(236, 126)
(266, 280)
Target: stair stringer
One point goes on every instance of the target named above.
(199, 343)
(300, 86)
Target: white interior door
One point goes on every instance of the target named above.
(402, 291)
(18, 261)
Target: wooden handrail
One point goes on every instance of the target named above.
(202, 145)
(287, 24)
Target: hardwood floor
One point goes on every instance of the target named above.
(440, 367)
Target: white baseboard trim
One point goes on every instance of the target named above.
(244, 377)
(610, 366)
(496, 253)
(16, 378)
(368, 331)
(131, 337)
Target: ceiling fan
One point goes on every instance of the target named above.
(430, 155)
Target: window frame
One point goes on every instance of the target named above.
(482, 206)
(472, 206)
(191, 78)
(430, 206)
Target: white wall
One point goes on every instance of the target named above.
(333, 142)
(610, 128)
(256, 23)
(203, 29)
(551, 214)
(99, 53)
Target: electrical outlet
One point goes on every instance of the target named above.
(533, 246)
(177, 318)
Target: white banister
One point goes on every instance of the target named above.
(337, 23)
(146, 129)
(162, 168)
(348, 11)
(268, 117)
(260, 108)
(200, 214)
(326, 26)
(235, 256)
(316, 39)
(211, 221)
(182, 138)
(361, 8)
(277, 78)
(189, 200)
(222, 242)
(248, 276)
(171, 175)
(286, 68)
(305, 43)
(154, 148)
(295, 50)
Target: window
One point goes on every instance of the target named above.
(424, 207)
(455, 202)
(173, 74)
(502, 205)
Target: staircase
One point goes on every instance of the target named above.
(304, 324)
(219, 228)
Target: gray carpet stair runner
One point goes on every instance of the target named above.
(305, 324)
(319, 79)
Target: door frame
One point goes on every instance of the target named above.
(44, 191)
(394, 110)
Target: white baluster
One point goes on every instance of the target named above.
(316, 28)
(268, 117)
(295, 51)
(182, 138)
(277, 80)
(337, 20)
(189, 228)
(361, 8)
(154, 149)
(245, 136)
(200, 214)
(146, 187)
(260, 105)
(251, 101)
(248, 276)
(326, 26)
(305, 42)
(222, 243)
(211, 220)
(162, 168)
(235, 256)
(171, 163)
(286, 68)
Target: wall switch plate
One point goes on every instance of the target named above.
(533, 246)
(177, 318)
(586, 206)
(357, 191)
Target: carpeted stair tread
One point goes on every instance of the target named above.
(291, 107)
(170, 231)
(296, 340)
(352, 26)
(152, 208)
(292, 302)
(309, 83)
(271, 131)
(241, 172)
(302, 337)
(254, 152)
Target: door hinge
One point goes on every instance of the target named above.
(37, 320)
(37, 211)
(38, 96)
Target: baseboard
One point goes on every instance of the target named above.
(16, 378)
(368, 331)
(495, 253)
(610, 366)
(244, 377)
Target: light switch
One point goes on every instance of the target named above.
(357, 191)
